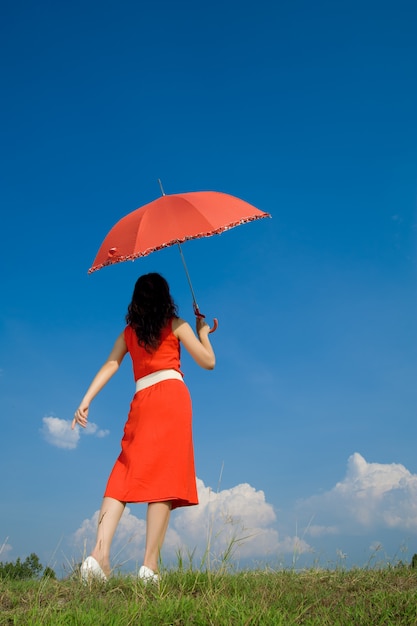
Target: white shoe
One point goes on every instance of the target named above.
(148, 575)
(91, 570)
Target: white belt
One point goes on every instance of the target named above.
(156, 377)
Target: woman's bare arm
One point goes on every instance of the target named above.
(107, 370)
(199, 346)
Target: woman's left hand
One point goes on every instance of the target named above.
(80, 417)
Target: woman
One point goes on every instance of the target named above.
(156, 464)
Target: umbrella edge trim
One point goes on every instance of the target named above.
(137, 255)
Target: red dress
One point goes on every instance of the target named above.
(156, 463)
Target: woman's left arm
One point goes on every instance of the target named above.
(107, 370)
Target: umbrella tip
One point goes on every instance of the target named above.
(160, 184)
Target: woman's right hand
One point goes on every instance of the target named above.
(201, 326)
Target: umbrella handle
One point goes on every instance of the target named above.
(200, 315)
(215, 325)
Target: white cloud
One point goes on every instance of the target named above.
(93, 429)
(315, 530)
(371, 496)
(238, 517)
(58, 432)
(371, 501)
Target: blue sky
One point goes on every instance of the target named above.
(305, 432)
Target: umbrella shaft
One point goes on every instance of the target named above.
(188, 277)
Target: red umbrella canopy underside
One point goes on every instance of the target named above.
(173, 219)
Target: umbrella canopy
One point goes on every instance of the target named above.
(173, 219)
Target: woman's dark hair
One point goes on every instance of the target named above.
(150, 310)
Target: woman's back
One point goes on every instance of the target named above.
(166, 356)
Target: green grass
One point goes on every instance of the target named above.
(317, 597)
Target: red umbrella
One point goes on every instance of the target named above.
(173, 219)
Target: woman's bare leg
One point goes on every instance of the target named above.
(157, 520)
(110, 513)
